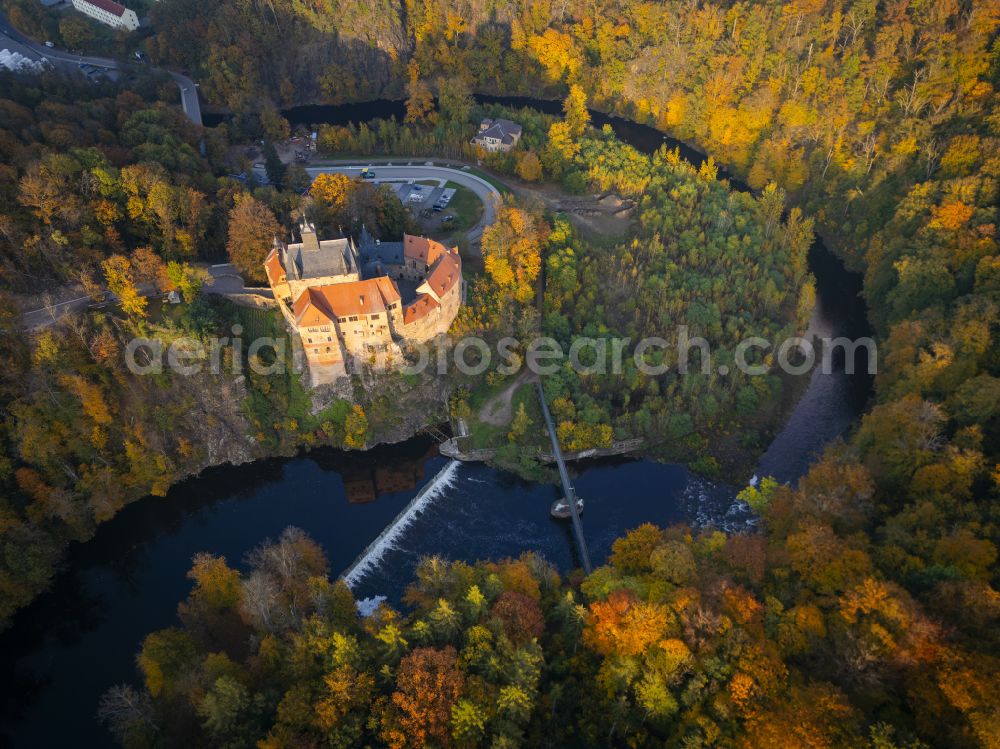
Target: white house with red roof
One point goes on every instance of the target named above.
(109, 12)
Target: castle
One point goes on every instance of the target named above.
(352, 303)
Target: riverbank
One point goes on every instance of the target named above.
(81, 637)
(400, 412)
(491, 514)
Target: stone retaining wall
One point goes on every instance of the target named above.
(451, 449)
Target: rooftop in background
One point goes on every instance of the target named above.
(312, 258)
(115, 9)
(376, 255)
(505, 131)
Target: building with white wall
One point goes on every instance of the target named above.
(108, 12)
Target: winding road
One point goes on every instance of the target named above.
(413, 171)
(224, 279)
(15, 41)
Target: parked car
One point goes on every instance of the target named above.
(50, 45)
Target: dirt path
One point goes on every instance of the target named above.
(604, 214)
(498, 411)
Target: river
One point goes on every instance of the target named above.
(81, 637)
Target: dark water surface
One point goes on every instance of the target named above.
(80, 638)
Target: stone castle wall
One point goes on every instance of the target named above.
(365, 340)
(436, 321)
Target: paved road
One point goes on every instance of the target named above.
(486, 192)
(223, 279)
(16, 41)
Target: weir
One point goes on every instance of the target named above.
(568, 490)
(368, 558)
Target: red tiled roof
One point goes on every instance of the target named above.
(422, 249)
(388, 289)
(273, 268)
(344, 299)
(444, 275)
(320, 305)
(419, 308)
(445, 271)
(308, 310)
(110, 6)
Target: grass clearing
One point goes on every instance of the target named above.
(482, 434)
(504, 190)
(465, 206)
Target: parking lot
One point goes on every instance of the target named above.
(422, 196)
(472, 205)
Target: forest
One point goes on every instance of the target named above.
(784, 639)
(864, 611)
(723, 264)
(879, 121)
(105, 191)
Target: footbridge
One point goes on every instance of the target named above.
(568, 490)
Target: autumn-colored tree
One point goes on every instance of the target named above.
(41, 191)
(148, 268)
(216, 584)
(252, 230)
(520, 615)
(633, 552)
(332, 190)
(427, 685)
(519, 425)
(575, 113)
(356, 429)
(118, 275)
(623, 625)
(512, 252)
(420, 99)
(76, 33)
(529, 166)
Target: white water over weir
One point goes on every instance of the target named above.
(373, 553)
